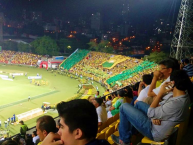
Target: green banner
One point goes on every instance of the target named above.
(107, 64)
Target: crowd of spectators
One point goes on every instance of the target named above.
(25, 58)
(7, 56)
(92, 68)
(149, 107)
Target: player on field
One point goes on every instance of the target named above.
(29, 98)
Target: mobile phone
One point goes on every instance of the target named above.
(169, 86)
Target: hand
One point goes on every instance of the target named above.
(181, 65)
(111, 108)
(51, 139)
(157, 74)
(156, 122)
(164, 90)
(142, 84)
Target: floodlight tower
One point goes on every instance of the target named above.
(1, 26)
(182, 40)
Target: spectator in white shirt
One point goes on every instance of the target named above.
(36, 138)
(108, 103)
(145, 83)
(101, 111)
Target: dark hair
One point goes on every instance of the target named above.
(115, 93)
(108, 90)
(98, 92)
(47, 123)
(9, 142)
(136, 86)
(17, 139)
(109, 97)
(182, 81)
(186, 61)
(147, 79)
(34, 132)
(79, 113)
(129, 92)
(21, 122)
(170, 63)
(121, 93)
(99, 101)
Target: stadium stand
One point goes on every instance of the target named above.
(7, 56)
(74, 59)
(25, 58)
(113, 71)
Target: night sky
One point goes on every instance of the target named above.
(140, 10)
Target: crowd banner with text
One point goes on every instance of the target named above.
(3, 76)
(16, 74)
(34, 77)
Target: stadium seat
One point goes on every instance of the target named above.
(100, 136)
(149, 141)
(109, 132)
(116, 126)
(170, 141)
(113, 124)
(183, 128)
(104, 130)
(100, 128)
(105, 124)
(109, 121)
(110, 139)
(116, 117)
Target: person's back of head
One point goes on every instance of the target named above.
(186, 61)
(121, 93)
(136, 86)
(170, 63)
(47, 123)
(182, 81)
(109, 97)
(99, 101)
(90, 98)
(147, 79)
(81, 119)
(17, 139)
(129, 92)
(44, 126)
(34, 133)
(10, 142)
(115, 94)
(21, 122)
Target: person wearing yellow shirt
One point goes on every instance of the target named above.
(106, 94)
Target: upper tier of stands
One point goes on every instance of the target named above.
(73, 59)
(114, 71)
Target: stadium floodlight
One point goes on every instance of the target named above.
(182, 40)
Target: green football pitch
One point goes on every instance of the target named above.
(14, 94)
